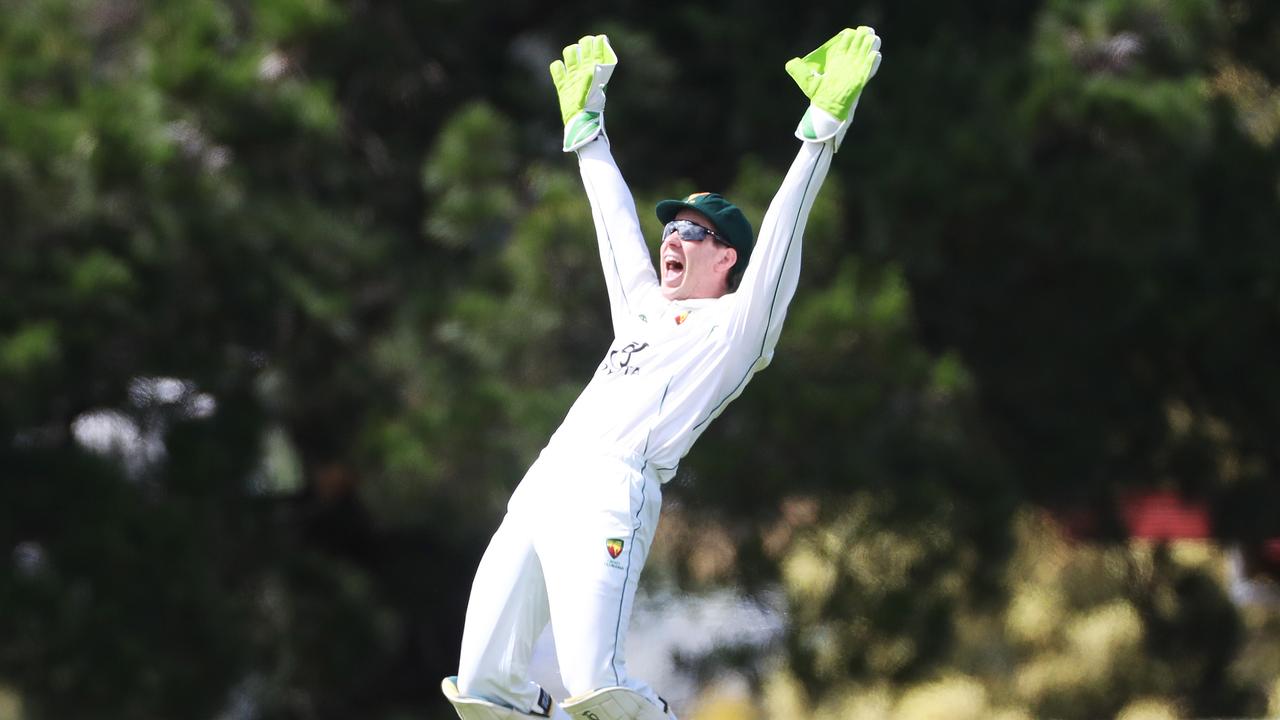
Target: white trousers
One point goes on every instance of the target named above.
(569, 551)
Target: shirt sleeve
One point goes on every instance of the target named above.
(759, 305)
(628, 268)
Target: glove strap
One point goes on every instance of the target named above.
(582, 128)
(818, 125)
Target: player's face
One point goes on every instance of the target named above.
(694, 268)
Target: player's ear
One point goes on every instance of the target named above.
(728, 258)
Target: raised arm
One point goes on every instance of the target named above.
(580, 78)
(833, 77)
(628, 270)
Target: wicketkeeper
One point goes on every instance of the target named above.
(687, 339)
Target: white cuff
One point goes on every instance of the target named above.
(582, 129)
(818, 125)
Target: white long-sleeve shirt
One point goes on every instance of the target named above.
(674, 366)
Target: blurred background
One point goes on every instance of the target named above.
(292, 291)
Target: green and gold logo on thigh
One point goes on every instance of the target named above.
(614, 546)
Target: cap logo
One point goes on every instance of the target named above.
(695, 196)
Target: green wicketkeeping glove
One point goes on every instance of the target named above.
(580, 79)
(832, 77)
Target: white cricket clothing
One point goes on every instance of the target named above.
(552, 559)
(579, 526)
(675, 365)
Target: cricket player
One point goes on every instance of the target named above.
(687, 339)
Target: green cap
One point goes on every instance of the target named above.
(728, 219)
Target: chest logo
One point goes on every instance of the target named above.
(622, 361)
(682, 317)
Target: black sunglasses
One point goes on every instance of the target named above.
(691, 231)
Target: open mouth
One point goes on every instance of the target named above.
(672, 271)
